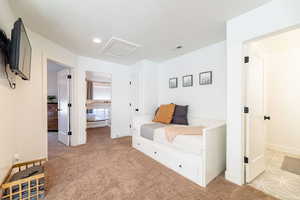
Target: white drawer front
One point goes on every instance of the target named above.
(187, 165)
(186, 169)
(145, 146)
(138, 144)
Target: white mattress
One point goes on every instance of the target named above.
(97, 124)
(91, 117)
(185, 143)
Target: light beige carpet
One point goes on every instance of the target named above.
(112, 170)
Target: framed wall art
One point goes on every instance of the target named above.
(173, 83)
(205, 78)
(187, 81)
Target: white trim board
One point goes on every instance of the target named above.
(285, 149)
(282, 15)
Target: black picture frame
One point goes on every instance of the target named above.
(187, 81)
(173, 83)
(205, 78)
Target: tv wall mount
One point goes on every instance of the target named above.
(4, 50)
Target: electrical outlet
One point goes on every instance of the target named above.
(16, 158)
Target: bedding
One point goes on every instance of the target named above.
(165, 114)
(147, 130)
(173, 131)
(95, 118)
(180, 115)
(90, 117)
(185, 143)
(156, 132)
(98, 104)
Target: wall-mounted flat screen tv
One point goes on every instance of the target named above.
(20, 51)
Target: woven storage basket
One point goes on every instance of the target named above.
(31, 188)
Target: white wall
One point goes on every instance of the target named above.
(120, 95)
(23, 128)
(23, 124)
(282, 100)
(31, 98)
(52, 83)
(208, 101)
(269, 18)
(7, 107)
(145, 74)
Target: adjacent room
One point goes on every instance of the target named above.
(98, 102)
(272, 126)
(58, 106)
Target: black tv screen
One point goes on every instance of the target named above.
(20, 51)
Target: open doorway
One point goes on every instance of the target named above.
(58, 105)
(272, 113)
(98, 104)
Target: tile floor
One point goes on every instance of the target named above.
(277, 182)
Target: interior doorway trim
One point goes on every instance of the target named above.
(246, 59)
(85, 97)
(45, 58)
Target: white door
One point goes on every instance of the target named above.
(134, 94)
(63, 84)
(255, 124)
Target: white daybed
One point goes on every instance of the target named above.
(198, 158)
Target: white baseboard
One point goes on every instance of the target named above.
(234, 179)
(284, 149)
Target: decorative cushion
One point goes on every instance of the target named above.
(180, 115)
(165, 114)
(156, 111)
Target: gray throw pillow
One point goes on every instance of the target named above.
(180, 115)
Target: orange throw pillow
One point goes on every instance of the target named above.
(165, 114)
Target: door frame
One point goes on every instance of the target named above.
(85, 97)
(249, 56)
(44, 60)
(135, 108)
(70, 101)
(244, 85)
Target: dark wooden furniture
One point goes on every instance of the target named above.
(52, 117)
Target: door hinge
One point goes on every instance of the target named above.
(267, 118)
(246, 110)
(69, 76)
(247, 59)
(70, 133)
(246, 160)
(69, 105)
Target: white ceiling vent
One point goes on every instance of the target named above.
(119, 48)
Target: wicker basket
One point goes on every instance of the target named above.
(31, 188)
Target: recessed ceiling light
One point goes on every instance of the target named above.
(97, 40)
